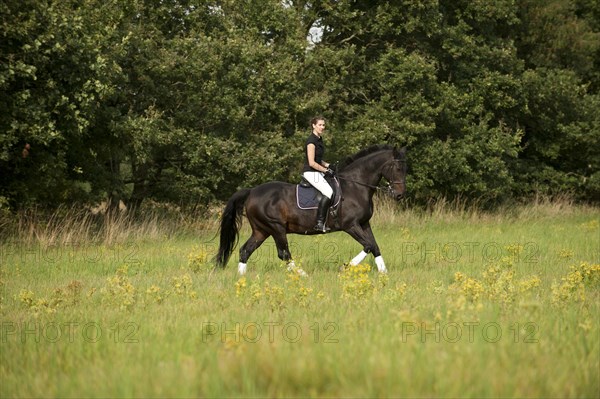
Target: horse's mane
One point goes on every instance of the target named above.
(363, 153)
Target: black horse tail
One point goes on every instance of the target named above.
(231, 220)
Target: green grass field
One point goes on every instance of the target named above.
(474, 305)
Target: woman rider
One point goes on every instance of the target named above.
(315, 169)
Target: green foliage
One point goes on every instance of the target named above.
(562, 135)
(183, 102)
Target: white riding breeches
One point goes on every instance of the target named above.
(317, 180)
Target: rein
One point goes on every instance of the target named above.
(387, 189)
(363, 184)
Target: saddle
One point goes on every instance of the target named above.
(308, 197)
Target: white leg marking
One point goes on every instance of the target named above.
(358, 258)
(242, 268)
(291, 266)
(380, 264)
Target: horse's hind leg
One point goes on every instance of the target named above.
(283, 252)
(250, 246)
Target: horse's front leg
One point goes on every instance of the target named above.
(375, 249)
(364, 235)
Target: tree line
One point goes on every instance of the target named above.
(186, 101)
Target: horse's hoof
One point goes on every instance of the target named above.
(297, 270)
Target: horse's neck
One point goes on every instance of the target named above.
(367, 170)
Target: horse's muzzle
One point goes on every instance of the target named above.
(395, 194)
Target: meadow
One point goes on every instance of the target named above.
(475, 304)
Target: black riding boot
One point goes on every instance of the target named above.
(322, 214)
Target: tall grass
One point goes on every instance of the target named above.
(68, 225)
(388, 211)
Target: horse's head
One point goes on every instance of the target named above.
(394, 172)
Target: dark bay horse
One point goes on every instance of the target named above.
(271, 208)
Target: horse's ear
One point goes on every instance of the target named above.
(399, 152)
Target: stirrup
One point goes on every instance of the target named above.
(321, 227)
